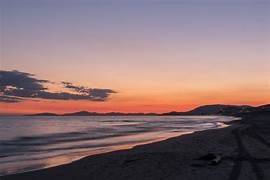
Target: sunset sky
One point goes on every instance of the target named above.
(134, 55)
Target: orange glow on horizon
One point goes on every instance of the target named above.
(128, 105)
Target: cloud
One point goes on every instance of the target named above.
(92, 92)
(16, 86)
(20, 80)
(10, 99)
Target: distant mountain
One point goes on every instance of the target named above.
(86, 113)
(260, 110)
(214, 109)
(81, 113)
(174, 113)
(129, 114)
(265, 107)
(236, 110)
(208, 109)
(43, 114)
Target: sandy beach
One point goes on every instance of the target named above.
(240, 151)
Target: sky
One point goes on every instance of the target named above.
(133, 56)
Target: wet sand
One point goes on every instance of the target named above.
(240, 151)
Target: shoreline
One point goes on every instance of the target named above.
(87, 154)
(38, 163)
(173, 158)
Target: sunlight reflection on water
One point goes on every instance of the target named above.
(30, 143)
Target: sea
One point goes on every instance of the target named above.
(29, 143)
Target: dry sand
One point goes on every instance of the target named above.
(244, 149)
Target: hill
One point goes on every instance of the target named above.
(214, 109)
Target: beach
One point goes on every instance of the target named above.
(240, 151)
(39, 142)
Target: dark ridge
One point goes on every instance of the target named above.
(220, 109)
(81, 113)
(44, 114)
(215, 109)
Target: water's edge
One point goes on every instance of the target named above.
(71, 157)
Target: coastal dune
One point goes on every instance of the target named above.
(240, 151)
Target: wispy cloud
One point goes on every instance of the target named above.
(10, 99)
(16, 86)
(91, 92)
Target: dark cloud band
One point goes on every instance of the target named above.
(16, 86)
(10, 99)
